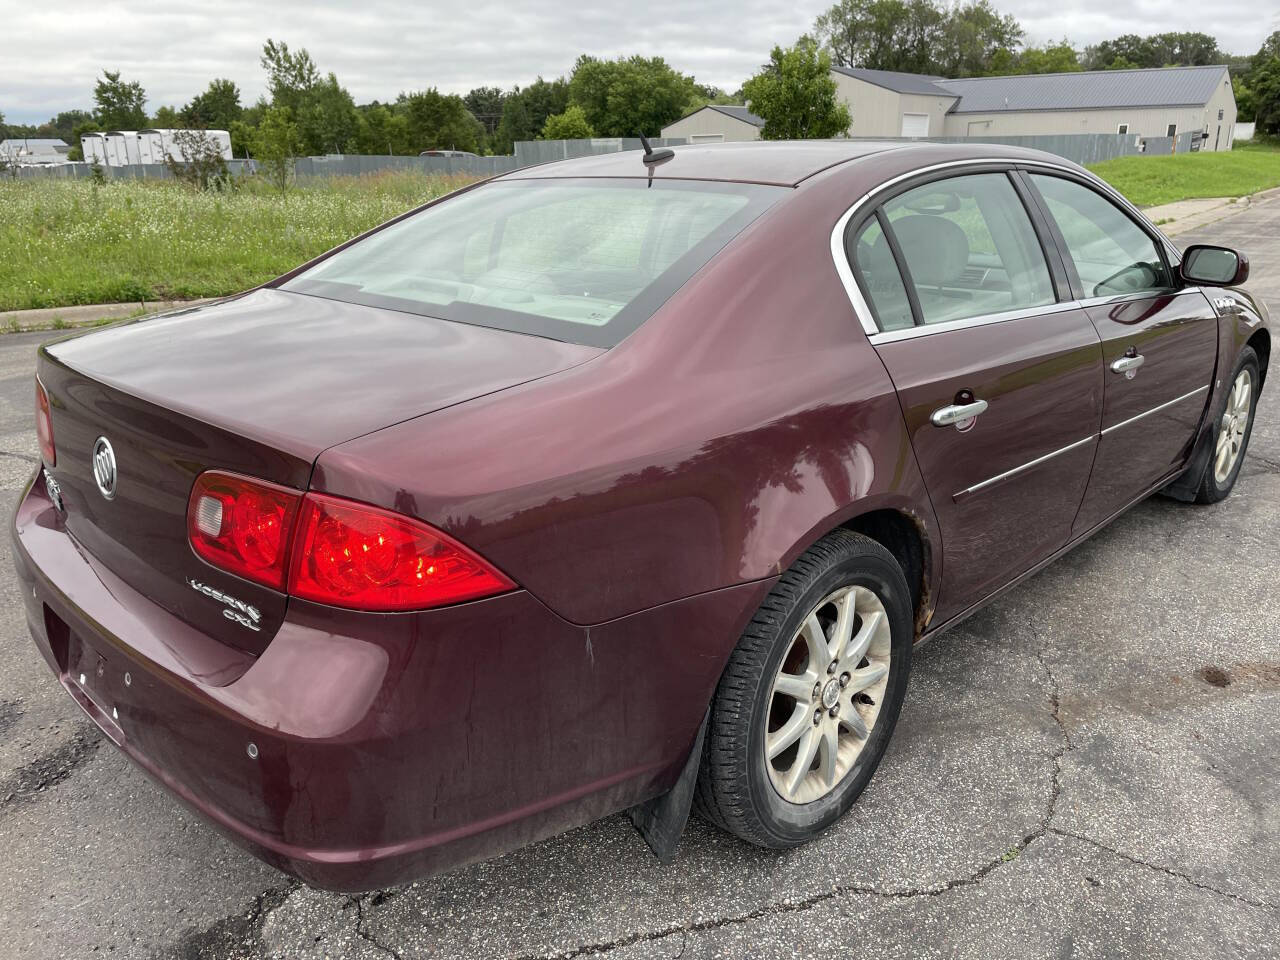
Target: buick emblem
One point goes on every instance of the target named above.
(104, 467)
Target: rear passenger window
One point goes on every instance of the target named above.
(970, 248)
(881, 281)
(1111, 253)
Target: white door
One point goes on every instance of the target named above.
(915, 124)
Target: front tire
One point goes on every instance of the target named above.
(1233, 426)
(807, 703)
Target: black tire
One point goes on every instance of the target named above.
(1211, 490)
(734, 789)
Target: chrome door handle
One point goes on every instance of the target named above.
(946, 416)
(1127, 363)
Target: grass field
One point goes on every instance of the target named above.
(1149, 181)
(66, 242)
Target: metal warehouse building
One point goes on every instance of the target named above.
(714, 123)
(1162, 102)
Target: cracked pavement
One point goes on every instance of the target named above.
(1087, 768)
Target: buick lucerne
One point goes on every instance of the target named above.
(620, 483)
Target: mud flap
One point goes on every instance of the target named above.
(1185, 486)
(661, 820)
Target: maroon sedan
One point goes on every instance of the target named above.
(609, 484)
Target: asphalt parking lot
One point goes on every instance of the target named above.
(1089, 768)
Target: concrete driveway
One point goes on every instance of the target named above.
(1089, 768)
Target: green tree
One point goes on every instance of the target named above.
(796, 96)
(1174, 49)
(215, 109)
(290, 76)
(570, 125)
(920, 36)
(485, 104)
(1264, 80)
(276, 143)
(525, 112)
(439, 121)
(327, 119)
(382, 131)
(244, 130)
(629, 96)
(121, 105)
(973, 35)
(165, 118)
(1246, 100)
(1051, 58)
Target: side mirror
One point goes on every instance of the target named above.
(1214, 266)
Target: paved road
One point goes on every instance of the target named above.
(1087, 769)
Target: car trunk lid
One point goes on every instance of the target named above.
(259, 386)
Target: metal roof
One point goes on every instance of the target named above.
(34, 145)
(1092, 90)
(898, 82)
(738, 113)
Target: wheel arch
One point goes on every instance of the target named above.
(904, 536)
(902, 528)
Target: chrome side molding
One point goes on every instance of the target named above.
(1147, 413)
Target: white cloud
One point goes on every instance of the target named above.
(52, 53)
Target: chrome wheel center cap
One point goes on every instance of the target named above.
(831, 693)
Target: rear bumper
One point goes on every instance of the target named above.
(385, 746)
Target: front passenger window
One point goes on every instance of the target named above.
(1111, 253)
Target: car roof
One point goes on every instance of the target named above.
(780, 162)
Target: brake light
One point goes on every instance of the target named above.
(44, 427)
(331, 550)
(242, 525)
(350, 554)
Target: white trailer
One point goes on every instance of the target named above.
(154, 146)
(122, 147)
(94, 148)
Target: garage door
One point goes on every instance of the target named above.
(915, 124)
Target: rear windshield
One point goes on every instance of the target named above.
(586, 261)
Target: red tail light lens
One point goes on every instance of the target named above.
(350, 554)
(331, 550)
(44, 426)
(242, 525)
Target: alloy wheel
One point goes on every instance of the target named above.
(1235, 424)
(827, 694)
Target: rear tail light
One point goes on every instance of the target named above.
(330, 550)
(242, 525)
(353, 555)
(44, 427)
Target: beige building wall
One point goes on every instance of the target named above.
(710, 126)
(877, 112)
(1152, 122)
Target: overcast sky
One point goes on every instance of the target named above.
(51, 52)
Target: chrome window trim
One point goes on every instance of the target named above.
(863, 312)
(924, 330)
(992, 481)
(1164, 406)
(1111, 298)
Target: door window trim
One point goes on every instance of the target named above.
(853, 290)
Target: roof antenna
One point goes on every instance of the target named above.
(654, 157)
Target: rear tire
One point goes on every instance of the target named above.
(1233, 425)
(780, 681)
